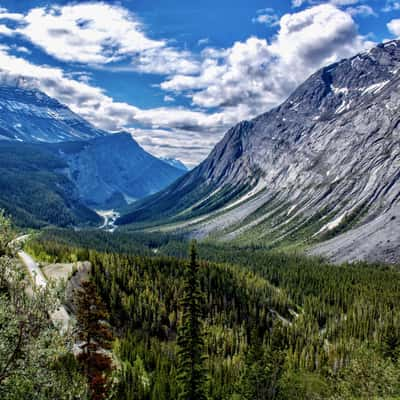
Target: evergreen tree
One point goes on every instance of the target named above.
(254, 383)
(191, 370)
(391, 343)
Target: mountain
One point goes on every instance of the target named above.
(175, 163)
(113, 170)
(322, 167)
(56, 166)
(29, 115)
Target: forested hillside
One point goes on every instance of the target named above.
(34, 189)
(275, 326)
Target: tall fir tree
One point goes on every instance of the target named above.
(191, 369)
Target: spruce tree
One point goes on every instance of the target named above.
(191, 370)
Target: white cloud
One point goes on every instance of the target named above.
(175, 144)
(4, 14)
(5, 30)
(297, 3)
(344, 2)
(252, 76)
(168, 98)
(362, 10)
(394, 27)
(86, 32)
(391, 5)
(266, 16)
(98, 33)
(203, 41)
(22, 49)
(339, 3)
(165, 61)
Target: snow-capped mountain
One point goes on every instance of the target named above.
(323, 165)
(29, 115)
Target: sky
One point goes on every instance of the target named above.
(178, 73)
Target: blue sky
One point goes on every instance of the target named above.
(178, 74)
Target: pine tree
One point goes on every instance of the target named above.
(191, 370)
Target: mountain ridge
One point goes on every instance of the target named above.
(324, 162)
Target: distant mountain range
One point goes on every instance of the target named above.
(56, 167)
(322, 167)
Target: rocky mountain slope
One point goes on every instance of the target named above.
(322, 167)
(29, 115)
(113, 170)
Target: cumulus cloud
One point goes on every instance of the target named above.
(98, 33)
(394, 27)
(255, 75)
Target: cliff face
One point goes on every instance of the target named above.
(325, 162)
(114, 170)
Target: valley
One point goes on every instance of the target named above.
(268, 271)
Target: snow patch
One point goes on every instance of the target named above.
(337, 91)
(389, 44)
(343, 107)
(375, 88)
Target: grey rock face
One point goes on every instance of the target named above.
(114, 170)
(326, 161)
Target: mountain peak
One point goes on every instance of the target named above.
(29, 115)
